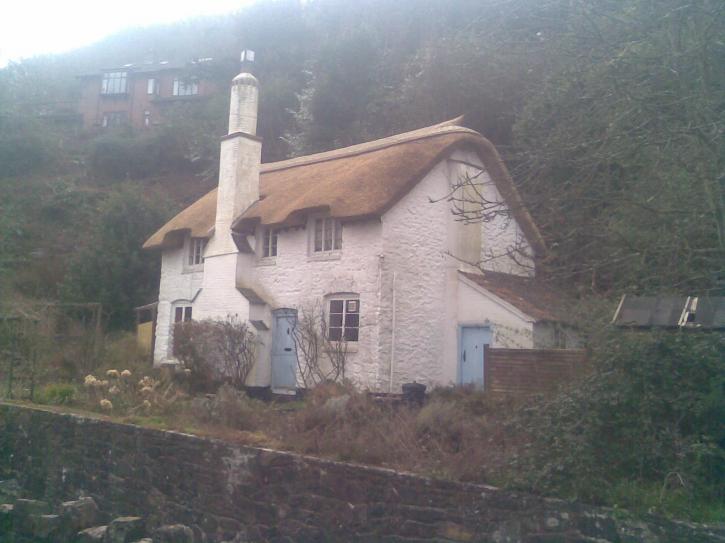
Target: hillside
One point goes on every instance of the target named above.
(609, 115)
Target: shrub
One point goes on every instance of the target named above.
(25, 146)
(223, 350)
(57, 394)
(228, 407)
(121, 155)
(651, 413)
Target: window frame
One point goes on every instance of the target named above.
(152, 86)
(350, 306)
(330, 236)
(110, 119)
(194, 254)
(269, 243)
(114, 83)
(183, 313)
(185, 87)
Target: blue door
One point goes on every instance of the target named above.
(284, 357)
(471, 352)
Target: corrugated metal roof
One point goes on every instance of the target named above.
(705, 312)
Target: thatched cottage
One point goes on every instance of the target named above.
(367, 233)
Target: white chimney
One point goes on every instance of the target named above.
(239, 161)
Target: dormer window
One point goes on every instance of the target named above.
(269, 242)
(114, 83)
(196, 251)
(328, 235)
(185, 87)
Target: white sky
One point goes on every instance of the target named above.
(36, 27)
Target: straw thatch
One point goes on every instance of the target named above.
(351, 183)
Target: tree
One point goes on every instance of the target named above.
(620, 149)
(111, 268)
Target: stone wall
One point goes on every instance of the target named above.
(224, 489)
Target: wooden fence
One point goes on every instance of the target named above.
(531, 371)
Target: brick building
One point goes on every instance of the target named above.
(139, 94)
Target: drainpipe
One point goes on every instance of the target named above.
(392, 342)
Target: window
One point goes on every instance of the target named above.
(344, 320)
(147, 118)
(196, 251)
(185, 87)
(182, 314)
(114, 83)
(269, 242)
(152, 86)
(114, 118)
(328, 235)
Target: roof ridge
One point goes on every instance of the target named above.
(369, 146)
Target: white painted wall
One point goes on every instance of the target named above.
(511, 328)
(298, 277)
(178, 286)
(410, 256)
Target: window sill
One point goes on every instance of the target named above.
(192, 269)
(267, 261)
(352, 346)
(325, 255)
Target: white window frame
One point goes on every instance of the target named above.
(269, 243)
(114, 83)
(348, 301)
(185, 87)
(183, 310)
(152, 86)
(114, 118)
(329, 240)
(194, 255)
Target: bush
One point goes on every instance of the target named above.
(216, 350)
(651, 413)
(228, 407)
(25, 146)
(121, 155)
(57, 394)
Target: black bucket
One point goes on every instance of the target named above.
(414, 393)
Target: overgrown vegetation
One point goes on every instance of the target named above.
(609, 114)
(214, 351)
(642, 431)
(648, 419)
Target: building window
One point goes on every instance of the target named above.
(196, 251)
(114, 118)
(328, 235)
(185, 87)
(182, 314)
(152, 86)
(343, 319)
(269, 242)
(114, 83)
(147, 118)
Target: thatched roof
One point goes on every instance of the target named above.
(355, 182)
(529, 295)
